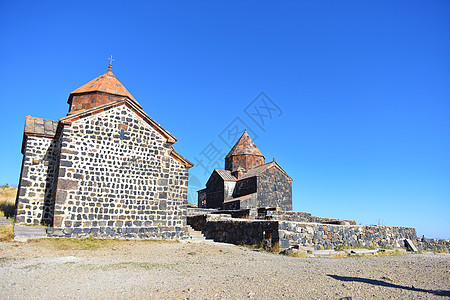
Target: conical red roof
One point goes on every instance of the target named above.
(245, 146)
(106, 83)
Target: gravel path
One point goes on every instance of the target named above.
(155, 270)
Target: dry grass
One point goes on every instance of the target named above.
(6, 233)
(7, 201)
(89, 243)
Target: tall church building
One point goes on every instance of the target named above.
(247, 181)
(106, 169)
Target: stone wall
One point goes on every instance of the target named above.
(118, 185)
(90, 100)
(434, 244)
(295, 216)
(318, 236)
(244, 187)
(274, 189)
(34, 203)
(214, 191)
(331, 236)
(244, 202)
(235, 231)
(234, 162)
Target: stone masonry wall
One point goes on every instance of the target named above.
(34, 203)
(274, 190)
(89, 100)
(215, 191)
(114, 185)
(246, 162)
(331, 236)
(235, 231)
(244, 187)
(318, 236)
(434, 244)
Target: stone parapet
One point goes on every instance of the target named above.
(332, 236)
(223, 228)
(434, 244)
(295, 216)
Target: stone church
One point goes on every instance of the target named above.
(106, 169)
(247, 181)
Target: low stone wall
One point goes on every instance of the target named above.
(223, 228)
(332, 236)
(235, 231)
(434, 244)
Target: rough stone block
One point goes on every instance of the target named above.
(67, 184)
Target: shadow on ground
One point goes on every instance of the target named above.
(388, 284)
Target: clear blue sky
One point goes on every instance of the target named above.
(362, 90)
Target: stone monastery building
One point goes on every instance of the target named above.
(106, 169)
(247, 181)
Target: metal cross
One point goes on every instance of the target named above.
(110, 60)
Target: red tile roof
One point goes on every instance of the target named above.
(106, 83)
(245, 146)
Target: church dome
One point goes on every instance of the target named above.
(104, 89)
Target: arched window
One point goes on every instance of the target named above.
(122, 132)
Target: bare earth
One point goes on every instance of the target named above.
(156, 270)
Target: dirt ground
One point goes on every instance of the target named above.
(56, 269)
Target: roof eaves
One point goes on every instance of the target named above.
(181, 158)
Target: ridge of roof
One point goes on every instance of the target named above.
(106, 83)
(260, 169)
(129, 103)
(225, 174)
(244, 146)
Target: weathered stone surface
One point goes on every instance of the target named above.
(67, 184)
(120, 187)
(108, 171)
(295, 235)
(35, 201)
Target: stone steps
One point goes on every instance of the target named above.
(29, 232)
(196, 236)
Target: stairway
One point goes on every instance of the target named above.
(195, 235)
(27, 232)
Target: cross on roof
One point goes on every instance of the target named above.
(110, 60)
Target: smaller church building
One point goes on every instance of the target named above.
(247, 181)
